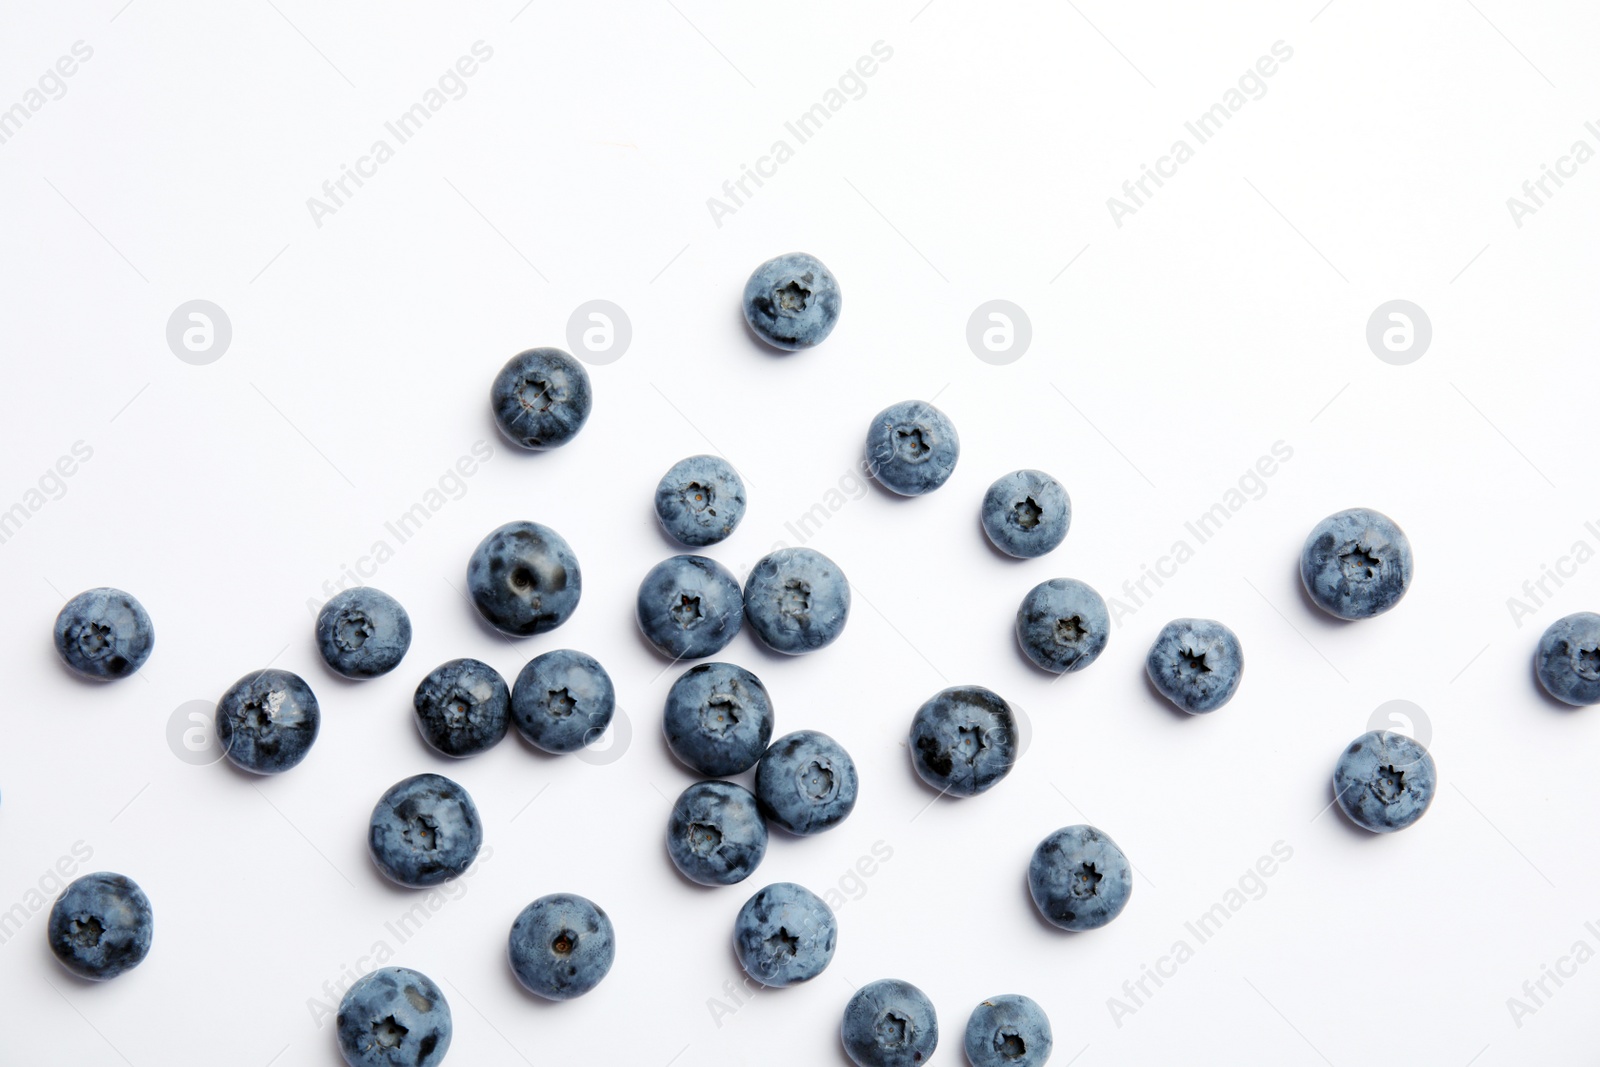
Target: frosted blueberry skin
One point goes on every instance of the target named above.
(101, 926)
(394, 1017)
(103, 634)
(700, 500)
(715, 834)
(964, 740)
(1062, 625)
(889, 1023)
(912, 448)
(524, 579)
(784, 935)
(363, 633)
(718, 719)
(1196, 664)
(689, 606)
(792, 301)
(561, 946)
(424, 831)
(1384, 781)
(1026, 513)
(267, 721)
(797, 600)
(1356, 564)
(1079, 878)
(563, 700)
(541, 398)
(806, 783)
(463, 707)
(1008, 1031)
(1569, 659)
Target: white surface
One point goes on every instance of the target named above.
(976, 166)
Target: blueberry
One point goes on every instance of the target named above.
(100, 926)
(784, 935)
(1196, 663)
(797, 600)
(912, 448)
(1026, 513)
(689, 607)
(104, 633)
(267, 721)
(700, 500)
(964, 740)
(463, 707)
(1008, 1031)
(1062, 625)
(889, 1023)
(718, 719)
(541, 398)
(561, 946)
(1356, 564)
(806, 782)
(394, 1017)
(1569, 659)
(1079, 878)
(716, 835)
(791, 301)
(425, 830)
(1384, 781)
(363, 633)
(524, 579)
(563, 700)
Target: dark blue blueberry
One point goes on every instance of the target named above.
(561, 946)
(912, 448)
(104, 633)
(463, 707)
(524, 579)
(964, 740)
(1569, 659)
(791, 301)
(1026, 513)
(806, 782)
(1079, 878)
(1008, 1031)
(716, 835)
(784, 935)
(1196, 663)
(563, 700)
(889, 1023)
(689, 607)
(1062, 625)
(363, 633)
(101, 926)
(797, 600)
(541, 398)
(425, 830)
(267, 721)
(718, 719)
(1356, 564)
(394, 1017)
(700, 500)
(1384, 781)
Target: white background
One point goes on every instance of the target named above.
(1226, 315)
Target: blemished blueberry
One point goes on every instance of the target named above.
(700, 500)
(1384, 781)
(1569, 659)
(964, 740)
(784, 935)
(561, 946)
(791, 301)
(1196, 664)
(267, 721)
(1079, 878)
(718, 719)
(689, 606)
(806, 782)
(394, 1017)
(104, 633)
(101, 925)
(425, 830)
(1356, 564)
(563, 700)
(463, 707)
(912, 448)
(797, 600)
(716, 835)
(524, 579)
(1062, 625)
(1026, 513)
(889, 1023)
(363, 633)
(1008, 1031)
(541, 398)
